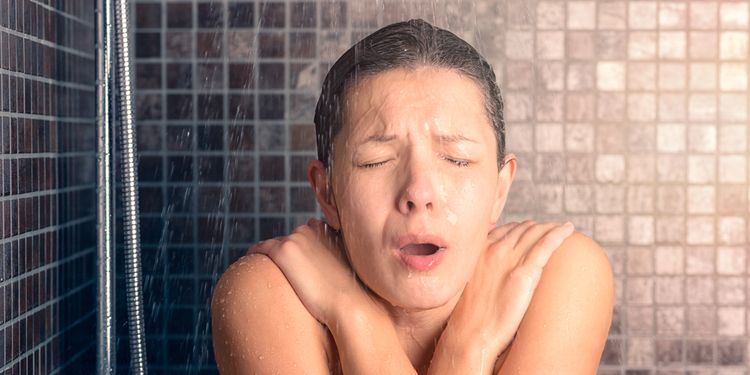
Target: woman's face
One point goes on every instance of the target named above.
(416, 183)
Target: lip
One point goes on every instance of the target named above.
(421, 262)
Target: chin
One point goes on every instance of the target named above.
(419, 296)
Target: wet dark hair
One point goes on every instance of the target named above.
(408, 44)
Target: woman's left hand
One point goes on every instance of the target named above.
(314, 263)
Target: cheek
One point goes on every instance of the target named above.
(471, 200)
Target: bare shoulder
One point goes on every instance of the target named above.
(567, 322)
(259, 324)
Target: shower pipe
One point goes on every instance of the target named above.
(105, 360)
(130, 195)
(134, 295)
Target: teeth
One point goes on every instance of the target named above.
(420, 249)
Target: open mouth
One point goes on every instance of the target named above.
(420, 249)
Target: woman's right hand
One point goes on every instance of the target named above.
(314, 262)
(497, 296)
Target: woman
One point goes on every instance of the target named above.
(409, 274)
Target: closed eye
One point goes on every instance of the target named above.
(373, 165)
(457, 162)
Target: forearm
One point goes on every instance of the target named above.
(367, 343)
(459, 353)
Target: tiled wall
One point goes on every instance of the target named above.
(47, 187)
(629, 118)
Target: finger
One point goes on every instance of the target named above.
(533, 233)
(511, 237)
(541, 252)
(499, 232)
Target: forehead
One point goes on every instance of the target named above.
(401, 96)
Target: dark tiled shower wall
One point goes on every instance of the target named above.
(224, 98)
(47, 187)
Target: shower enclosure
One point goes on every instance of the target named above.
(629, 118)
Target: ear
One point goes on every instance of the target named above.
(316, 174)
(505, 179)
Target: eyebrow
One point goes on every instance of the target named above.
(378, 138)
(442, 138)
(452, 138)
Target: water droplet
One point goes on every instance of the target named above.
(260, 357)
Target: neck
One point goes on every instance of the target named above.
(418, 330)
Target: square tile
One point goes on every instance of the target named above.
(701, 168)
(640, 199)
(550, 15)
(640, 291)
(670, 320)
(699, 352)
(642, 14)
(671, 168)
(700, 230)
(641, 107)
(610, 76)
(731, 321)
(609, 229)
(732, 230)
(699, 260)
(733, 15)
(642, 76)
(704, 15)
(733, 76)
(580, 106)
(732, 169)
(640, 321)
(642, 45)
(669, 352)
(701, 199)
(733, 138)
(669, 290)
(672, 44)
(612, 45)
(703, 76)
(640, 351)
(580, 76)
(670, 229)
(672, 15)
(580, 45)
(640, 260)
(581, 15)
(731, 199)
(701, 320)
(703, 45)
(609, 198)
(733, 107)
(578, 198)
(550, 45)
(731, 260)
(701, 292)
(669, 260)
(612, 15)
(703, 108)
(640, 230)
(550, 76)
(730, 291)
(733, 45)
(702, 138)
(641, 169)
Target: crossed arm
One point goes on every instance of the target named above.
(262, 326)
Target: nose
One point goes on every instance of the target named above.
(418, 191)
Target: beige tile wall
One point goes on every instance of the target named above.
(630, 118)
